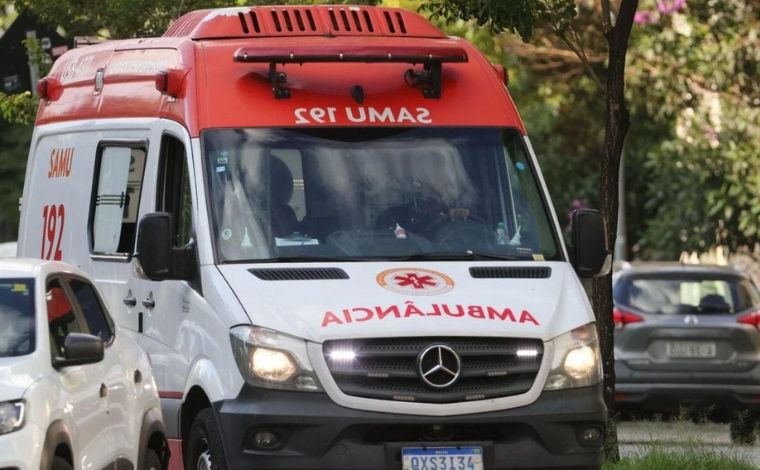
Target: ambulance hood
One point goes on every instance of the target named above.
(420, 299)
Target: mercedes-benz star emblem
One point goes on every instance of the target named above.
(439, 366)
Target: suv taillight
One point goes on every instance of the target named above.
(622, 317)
(752, 318)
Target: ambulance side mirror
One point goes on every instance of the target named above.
(589, 253)
(154, 245)
(159, 258)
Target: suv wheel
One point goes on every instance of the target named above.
(204, 449)
(60, 464)
(151, 461)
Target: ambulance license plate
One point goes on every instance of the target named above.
(442, 458)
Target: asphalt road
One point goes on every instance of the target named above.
(639, 436)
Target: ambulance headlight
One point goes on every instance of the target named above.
(11, 416)
(576, 362)
(269, 359)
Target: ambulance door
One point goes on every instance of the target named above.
(119, 198)
(168, 331)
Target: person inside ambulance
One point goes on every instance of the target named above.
(437, 197)
(255, 208)
(284, 220)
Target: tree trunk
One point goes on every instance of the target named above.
(617, 124)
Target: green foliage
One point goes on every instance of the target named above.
(694, 76)
(13, 154)
(18, 108)
(694, 457)
(129, 18)
(518, 16)
(21, 108)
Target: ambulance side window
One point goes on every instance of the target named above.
(174, 194)
(119, 173)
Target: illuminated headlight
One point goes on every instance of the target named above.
(11, 416)
(576, 362)
(270, 364)
(269, 359)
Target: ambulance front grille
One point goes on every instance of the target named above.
(388, 368)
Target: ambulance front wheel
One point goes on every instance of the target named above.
(204, 449)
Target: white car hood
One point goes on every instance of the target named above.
(460, 305)
(16, 376)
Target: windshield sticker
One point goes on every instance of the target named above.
(226, 234)
(20, 288)
(410, 309)
(362, 115)
(415, 281)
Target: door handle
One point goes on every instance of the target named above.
(149, 303)
(129, 300)
(103, 391)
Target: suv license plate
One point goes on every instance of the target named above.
(689, 349)
(442, 458)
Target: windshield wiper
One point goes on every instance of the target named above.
(434, 256)
(308, 259)
(460, 256)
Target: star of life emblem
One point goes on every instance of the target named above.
(415, 281)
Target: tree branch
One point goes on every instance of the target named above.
(606, 17)
(578, 50)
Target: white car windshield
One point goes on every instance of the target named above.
(375, 193)
(16, 317)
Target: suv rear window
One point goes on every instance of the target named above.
(687, 295)
(16, 317)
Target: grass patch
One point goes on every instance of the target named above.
(691, 459)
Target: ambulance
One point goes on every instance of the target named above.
(327, 227)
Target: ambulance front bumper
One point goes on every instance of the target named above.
(312, 432)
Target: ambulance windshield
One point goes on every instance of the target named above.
(359, 194)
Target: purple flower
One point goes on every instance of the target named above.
(667, 7)
(644, 17)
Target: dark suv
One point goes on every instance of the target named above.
(688, 336)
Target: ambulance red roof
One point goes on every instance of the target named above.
(218, 92)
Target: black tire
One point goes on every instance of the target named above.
(742, 427)
(60, 464)
(205, 443)
(151, 461)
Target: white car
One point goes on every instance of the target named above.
(74, 391)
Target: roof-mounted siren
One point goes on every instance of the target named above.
(430, 57)
(49, 89)
(171, 82)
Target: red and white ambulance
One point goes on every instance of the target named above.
(328, 228)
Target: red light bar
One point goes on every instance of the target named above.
(430, 56)
(363, 54)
